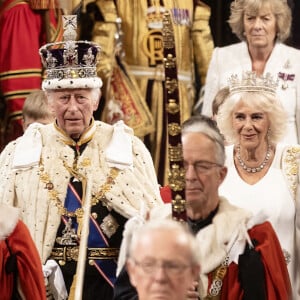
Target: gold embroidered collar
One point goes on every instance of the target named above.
(86, 136)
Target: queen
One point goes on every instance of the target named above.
(262, 173)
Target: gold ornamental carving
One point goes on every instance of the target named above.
(170, 61)
(176, 178)
(178, 204)
(171, 85)
(175, 153)
(172, 107)
(174, 129)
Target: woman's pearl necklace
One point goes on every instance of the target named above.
(249, 169)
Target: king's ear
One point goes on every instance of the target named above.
(97, 100)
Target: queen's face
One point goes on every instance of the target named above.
(250, 125)
(260, 28)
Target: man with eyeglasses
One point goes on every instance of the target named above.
(240, 255)
(155, 269)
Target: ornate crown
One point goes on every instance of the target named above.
(70, 64)
(250, 82)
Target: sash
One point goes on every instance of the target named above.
(106, 267)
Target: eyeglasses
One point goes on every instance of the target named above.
(171, 268)
(201, 167)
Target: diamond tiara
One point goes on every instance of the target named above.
(250, 82)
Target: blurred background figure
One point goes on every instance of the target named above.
(139, 26)
(24, 27)
(155, 269)
(262, 172)
(262, 27)
(219, 99)
(222, 34)
(21, 274)
(36, 109)
(295, 6)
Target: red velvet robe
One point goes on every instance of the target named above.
(278, 285)
(30, 273)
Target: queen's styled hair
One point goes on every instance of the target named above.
(261, 101)
(280, 9)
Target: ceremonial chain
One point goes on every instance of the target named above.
(250, 169)
(217, 281)
(54, 195)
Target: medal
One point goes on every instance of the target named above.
(181, 16)
(285, 77)
(69, 236)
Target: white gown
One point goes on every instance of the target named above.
(271, 196)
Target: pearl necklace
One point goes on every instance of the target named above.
(255, 169)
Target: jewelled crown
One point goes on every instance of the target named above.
(250, 82)
(70, 64)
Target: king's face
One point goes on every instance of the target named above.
(73, 109)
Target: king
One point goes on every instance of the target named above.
(80, 179)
